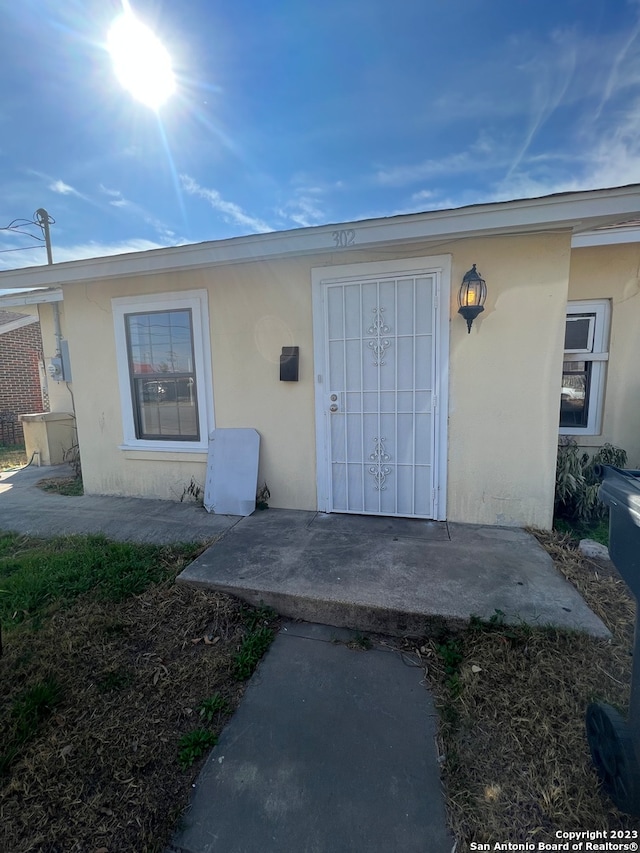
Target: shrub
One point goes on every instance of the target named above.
(576, 497)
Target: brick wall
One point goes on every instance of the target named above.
(20, 392)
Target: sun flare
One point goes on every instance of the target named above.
(141, 62)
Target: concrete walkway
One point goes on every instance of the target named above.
(332, 750)
(28, 509)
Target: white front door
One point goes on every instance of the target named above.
(378, 373)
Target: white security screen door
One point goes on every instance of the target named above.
(376, 394)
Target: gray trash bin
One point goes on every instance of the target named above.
(615, 742)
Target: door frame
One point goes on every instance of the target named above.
(440, 267)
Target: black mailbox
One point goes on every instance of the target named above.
(289, 361)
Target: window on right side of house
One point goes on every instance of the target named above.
(586, 352)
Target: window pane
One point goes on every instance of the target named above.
(160, 342)
(139, 343)
(574, 400)
(160, 345)
(578, 333)
(179, 354)
(167, 408)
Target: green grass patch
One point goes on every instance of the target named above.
(260, 633)
(212, 707)
(37, 574)
(252, 648)
(194, 744)
(255, 617)
(451, 653)
(598, 531)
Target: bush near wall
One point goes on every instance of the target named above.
(576, 498)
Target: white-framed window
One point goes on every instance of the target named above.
(586, 352)
(164, 370)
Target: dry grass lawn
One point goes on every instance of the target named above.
(516, 763)
(12, 457)
(102, 772)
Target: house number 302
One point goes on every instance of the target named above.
(344, 238)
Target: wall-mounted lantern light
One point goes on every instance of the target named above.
(471, 297)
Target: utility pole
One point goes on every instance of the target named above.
(21, 226)
(44, 220)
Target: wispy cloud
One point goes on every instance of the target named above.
(607, 155)
(410, 173)
(304, 208)
(571, 122)
(615, 158)
(64, 189)
(117, 199)
(422, 195)
(549, 89)
(594, 156)
(436, 202)
(619, 75)
(91, 249)
(56, 185)
(568, 89)
(483, 153)
(230, 211)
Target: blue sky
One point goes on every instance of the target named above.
(291, 113)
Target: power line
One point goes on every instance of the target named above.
(18, 224)
(20, 248)
(42, 220)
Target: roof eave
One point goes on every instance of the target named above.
(30, 297)
(20, 323)
(574, 212)
(606, 237)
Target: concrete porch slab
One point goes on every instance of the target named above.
(369, 525)
(396, 576)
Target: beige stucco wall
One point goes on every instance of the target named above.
(612, 272)
(60, 393)
(254, 311)
(504, 382)
(503, 386)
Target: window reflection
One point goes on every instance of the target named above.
(574, 399)
(160, 345)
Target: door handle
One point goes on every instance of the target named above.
(333, 408)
